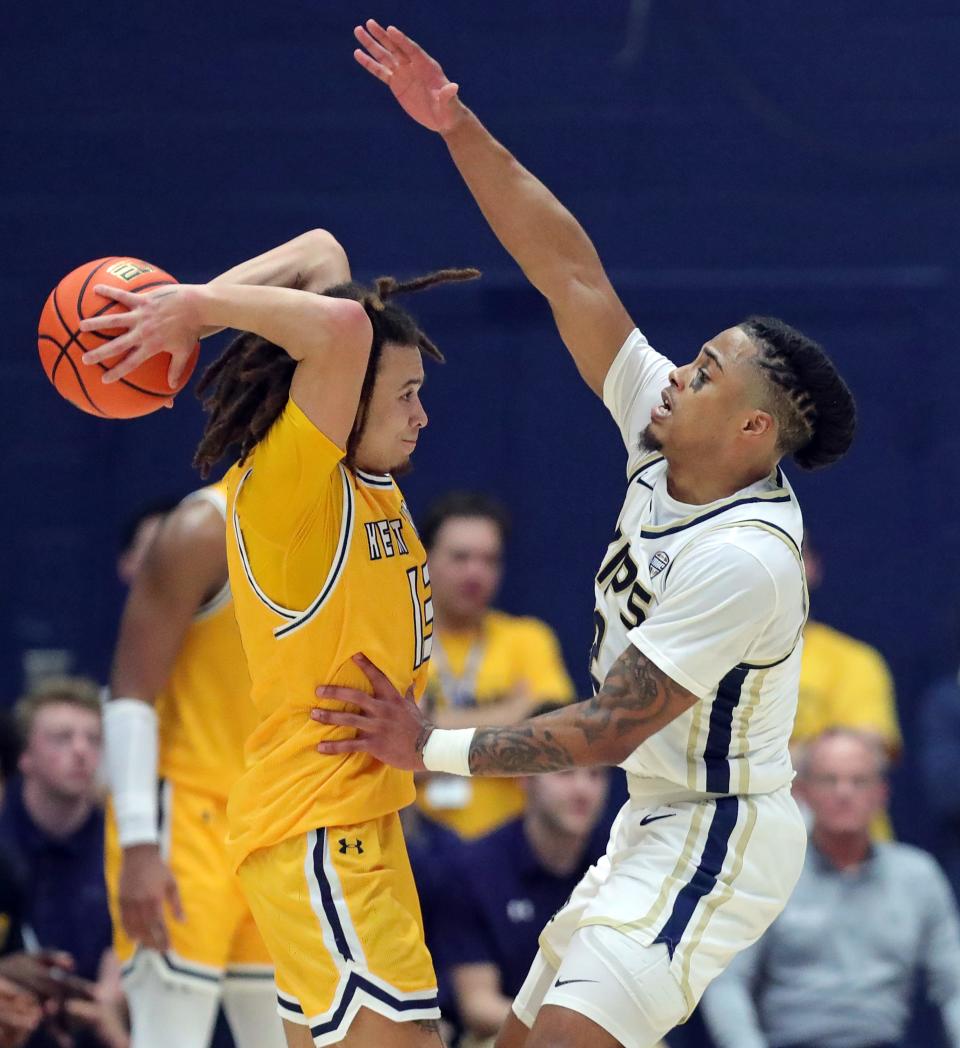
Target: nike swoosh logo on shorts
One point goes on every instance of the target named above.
(566, 982)
(653, 818)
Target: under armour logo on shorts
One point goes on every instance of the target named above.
(345, 846)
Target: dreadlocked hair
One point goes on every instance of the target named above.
(246, 388)
(815, 410)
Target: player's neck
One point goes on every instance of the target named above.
(559, 853)
(450, 622)
(56, 816)
(698, 484)
(843, 850)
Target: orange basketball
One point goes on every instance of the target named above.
(61, 342)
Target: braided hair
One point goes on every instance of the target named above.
(247, 387)
(815, 411)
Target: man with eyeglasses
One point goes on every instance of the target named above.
(838, 967)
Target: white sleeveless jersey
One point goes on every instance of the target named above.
(715, 596)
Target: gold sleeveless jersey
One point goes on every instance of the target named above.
(324, 563)
(204, 710)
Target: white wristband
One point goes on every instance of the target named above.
(130, 735)
(448, 749)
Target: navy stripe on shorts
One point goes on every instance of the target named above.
(704, 880)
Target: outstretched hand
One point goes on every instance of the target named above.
(416, 80)
(390, 726)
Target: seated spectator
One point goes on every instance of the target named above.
(51, 829)
(52, 822)
(508, 884)
(939, 747)
(486, 667)
(20, 1011)
(837, 969)
(844, 683)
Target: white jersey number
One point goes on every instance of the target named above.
(616, 577)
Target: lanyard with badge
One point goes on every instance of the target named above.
(452, 792)
(460, 690)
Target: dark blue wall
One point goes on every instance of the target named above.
(728, 157)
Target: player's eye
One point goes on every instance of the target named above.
(702, 376)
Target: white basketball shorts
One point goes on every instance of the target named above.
(699, 879)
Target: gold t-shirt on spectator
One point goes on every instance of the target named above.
(845, 683)
(508, 655)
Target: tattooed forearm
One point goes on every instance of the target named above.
(524, 750)
(635, 692)
(636, 700)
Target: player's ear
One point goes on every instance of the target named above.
(758, 423)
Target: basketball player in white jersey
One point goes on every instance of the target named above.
(700, 603)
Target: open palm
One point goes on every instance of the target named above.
(416, 80)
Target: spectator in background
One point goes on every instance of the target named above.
(486, 667)
(844, 683)
(20, 1011)
(502, 888)
(939, 747)
(837, 969)
(39, 997)
(51, 827)
(52, 822)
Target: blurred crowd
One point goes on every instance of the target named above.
(870, 922)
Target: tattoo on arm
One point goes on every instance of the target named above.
(636, 700)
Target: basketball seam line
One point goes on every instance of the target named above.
(64, 355)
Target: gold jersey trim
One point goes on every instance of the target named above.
(338, 565)
(287, 613)
(296, 619)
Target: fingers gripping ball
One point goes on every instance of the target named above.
(61, 342)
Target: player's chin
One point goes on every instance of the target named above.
(653, 437)
(403, 467)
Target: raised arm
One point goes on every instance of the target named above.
(544, 238)
(328, 337)
(185, 566)
(313, 261)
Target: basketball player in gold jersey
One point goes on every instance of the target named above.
(180, 680)
(321, 397)
(179, 665)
